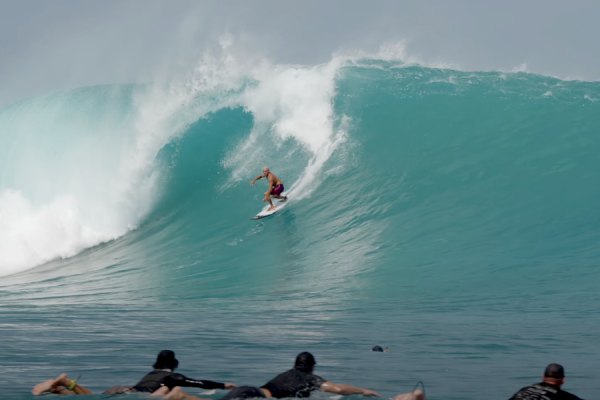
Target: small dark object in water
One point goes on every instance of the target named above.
(377, 348)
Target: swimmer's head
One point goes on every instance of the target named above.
(305, 362)
(555, 371)
(377, 348)
(166, 360)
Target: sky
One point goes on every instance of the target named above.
(49, 45)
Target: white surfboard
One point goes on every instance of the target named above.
(265, 212)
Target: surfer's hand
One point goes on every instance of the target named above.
(229, 385)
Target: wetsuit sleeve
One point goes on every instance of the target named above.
(316, 381)
(182, 380)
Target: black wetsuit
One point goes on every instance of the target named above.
(164, 377)
(543, 391)
(243, 392)
(293, 383)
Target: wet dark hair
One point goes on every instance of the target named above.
(555, 371)
(377, 348)
(166, 360)
(305, 362)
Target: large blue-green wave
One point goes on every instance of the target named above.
(452, 216)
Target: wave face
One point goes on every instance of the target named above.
(452, 216)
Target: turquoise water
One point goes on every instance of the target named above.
(451, 216)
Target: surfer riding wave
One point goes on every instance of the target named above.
(275, 187)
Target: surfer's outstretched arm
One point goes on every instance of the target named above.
(182, 380)
(345, 389)
(253, 181)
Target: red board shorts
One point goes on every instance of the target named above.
(277, 190)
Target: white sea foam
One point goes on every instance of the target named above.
(72, 177)
(288, 102)
(294, 102)
(32, 235)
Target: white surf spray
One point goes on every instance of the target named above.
(289, 102)
(72, 178)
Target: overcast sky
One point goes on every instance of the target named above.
(48, 45)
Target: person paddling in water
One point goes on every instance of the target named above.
(275, 187)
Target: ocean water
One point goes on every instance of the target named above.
(451, 216)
